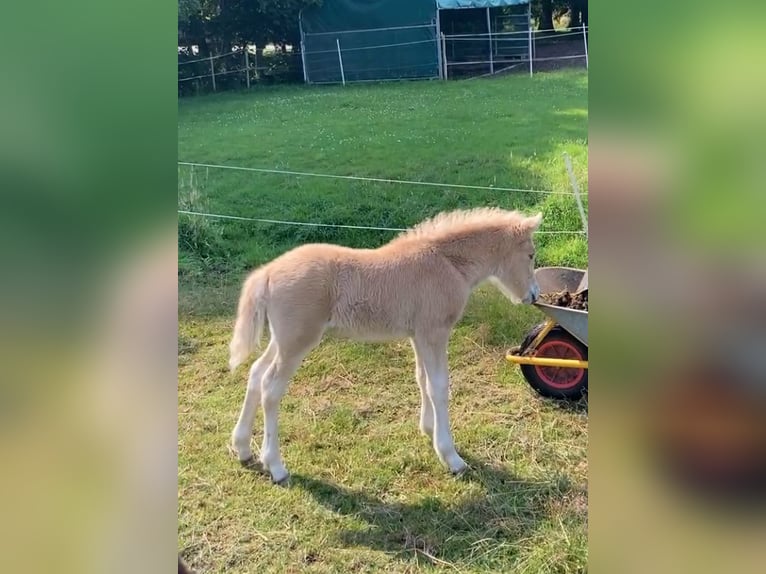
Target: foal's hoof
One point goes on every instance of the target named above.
(461, 471)
(284, 482)
(235, 453)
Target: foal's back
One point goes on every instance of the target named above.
(381, 293)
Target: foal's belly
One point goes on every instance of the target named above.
(366, 335)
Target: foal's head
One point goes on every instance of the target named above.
(515, 272)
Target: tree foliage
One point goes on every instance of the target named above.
(216, 25)
(186, 10)
(545, 11)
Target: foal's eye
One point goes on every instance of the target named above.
(531, 255)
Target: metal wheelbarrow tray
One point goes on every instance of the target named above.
(554, 355)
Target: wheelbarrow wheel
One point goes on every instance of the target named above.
(558, 382)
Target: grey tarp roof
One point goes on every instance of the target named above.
(452, 4)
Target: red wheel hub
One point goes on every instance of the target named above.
(559, 377)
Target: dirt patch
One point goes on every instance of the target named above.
(558, 53)
(578, 301)
(549, 54)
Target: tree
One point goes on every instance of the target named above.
(545, 21)
(187, 9)
(226, 23)
(578, 12)
(545, 11)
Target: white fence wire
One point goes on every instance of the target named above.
(372, 179)
(359, 178)
(334, 225)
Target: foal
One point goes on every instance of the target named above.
(415, 286)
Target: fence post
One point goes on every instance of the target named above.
(529, 41)
(212, 71)
(340, 61)
(489, 30)
(247, 67)
(585, 41)
(439, 52)
(303, 63)
(303, 47)
(444, 54)
(576, 190)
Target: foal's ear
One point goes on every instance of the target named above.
(533, 223)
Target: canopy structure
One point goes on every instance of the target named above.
(454, 4)
(374, 40)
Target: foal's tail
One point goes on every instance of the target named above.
(251, 316)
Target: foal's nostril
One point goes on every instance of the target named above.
(534, 292)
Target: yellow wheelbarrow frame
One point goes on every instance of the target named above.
(528, 359)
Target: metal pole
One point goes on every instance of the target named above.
(303, 47)
(529, 43)
(247, 67)
(489, 30)
(576, 189)
(303, 62)
(212, 71)
(439, 51)
(340, 61)
(444, 52)
(585, 41)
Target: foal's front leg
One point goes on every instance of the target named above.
(426, 410)
(433, 352)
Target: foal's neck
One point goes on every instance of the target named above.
(472, 254)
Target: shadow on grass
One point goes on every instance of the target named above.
(579, 406)
(434, 530)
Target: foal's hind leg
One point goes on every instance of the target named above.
(288, 358)
(426, 410)
(240, 437)
(433, 351)
(273, 388)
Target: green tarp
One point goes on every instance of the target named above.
(342, 15)
(373, 40)
(378, 39)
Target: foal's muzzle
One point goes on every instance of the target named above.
(532, 295)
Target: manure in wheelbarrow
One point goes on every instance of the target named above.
(578, 301)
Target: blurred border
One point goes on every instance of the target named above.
(88, 296)
(677, 439)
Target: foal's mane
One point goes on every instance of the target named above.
(457, 222)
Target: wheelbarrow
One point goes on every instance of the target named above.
(554, 355)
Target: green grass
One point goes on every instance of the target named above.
(367, 491)
(504, 132)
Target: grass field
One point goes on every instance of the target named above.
(367, 491)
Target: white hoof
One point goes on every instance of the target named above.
(457, 466)
(283, 482)
(280, 476)
(240, 447)
(242, 453)
(276, 470)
